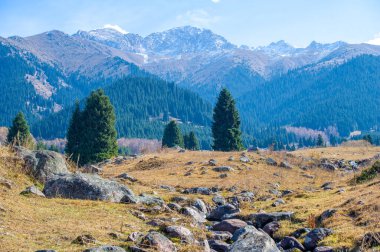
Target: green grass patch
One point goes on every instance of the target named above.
(369, 174)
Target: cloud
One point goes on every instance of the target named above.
(215, 1)
(375, 40)
(116, 28)
(199, 18)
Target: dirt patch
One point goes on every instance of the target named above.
(149, 164)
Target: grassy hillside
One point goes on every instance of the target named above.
(54, 223)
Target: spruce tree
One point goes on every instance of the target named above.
(192, 142)
(74, 134)
(226, 124)
(19, 133)
(172, 136)
(98, 134)
(319, 140)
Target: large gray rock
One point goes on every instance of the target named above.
(32, 190)
(291, 243)
(223, 169)
(150, 200)
(315, 236)
(198, 190)
(254, 240)
(227, 211)
(271, 228)
(193, 213)
(261, 219)
(218, 245)
(242, 231)
(42, 164)
(158, 242)
(105, 249)
(88, 187)
(200, 205)
(230, 225)
(184, 234)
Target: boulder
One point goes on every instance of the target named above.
(198, 190)
(230, 225)
(245, 159)
(271, 228)
(218, 245)
(223, 175)
(158, 242)
(286, 165)
(179, 199)
(174, 206)
(212, 162)
(223, 169)
(42, 164)
(220, 235)
(326, 214)
(271, 161)
(88, 187)
(184, 234)
(105, 248)
(254, 240)
(278, 202)
(91, 169)
(125, 176)
(194, 214)
(84, 239)
(32, 190)
(242, 231)
(261, 219)
(291, 243)
(315, 236)
(219, 200)
(168, 188)
(227, 211)
(150, 200)
(328, 186)
(200, 205)
(134, 236)
(6, 183)
(299, 232)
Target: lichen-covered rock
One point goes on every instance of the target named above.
(158, 242)
(194, 214)
(223, 169)
(106, 249)
(230, 225)
(227, 211)
(254, 240)
(32, 190)
(88, 187)
(291, 243)
(184, 234)
(315, 236)
(261, 219)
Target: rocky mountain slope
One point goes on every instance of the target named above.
(192, 201)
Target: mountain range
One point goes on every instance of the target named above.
(45, 73)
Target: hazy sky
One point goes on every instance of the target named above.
(248, 22)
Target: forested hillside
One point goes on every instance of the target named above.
(142, 107)
(346, 97)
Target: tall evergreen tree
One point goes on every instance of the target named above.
(19, 133)
(320, 141)
(98, 136)
(172, 136)
(192, 142)
(74, 134)
(226, 125)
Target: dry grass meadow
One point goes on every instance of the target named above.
(31, 223)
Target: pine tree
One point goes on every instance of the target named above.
(19, 133)
(192, 142)
(172, 136)
(98, 135)
(320, 141)
(226, 125)
(74, 134)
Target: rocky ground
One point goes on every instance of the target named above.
(191, 201)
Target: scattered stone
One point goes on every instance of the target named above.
(286, 165)
(286, 192)
(242, 231)
(189, 173)
(189, 163)
(275, 192)
(326, 214)
(135, 236)
(168, 188)
(200, 205)
(219, 245)
(370, 240)
(84, 239)
(42, 164)
(271, 161)
(324, 249)
(198, 190)
(158, 242)
(89, 187)
(230, 225)
(179, 199)
(32, 190)
(212, 162)
(125, 176)
(223, 175)
(271, 228)
(219, 200)
(223, 169)
(327, 186)
(231, 158)
(315, 236)
(299, 232)
(45, 250)
(291, 243)
(220, 235)
(194, 214)
(308, 176)
(328, 166)
(156, 223)
(261, 219)
(184, 234)
(106, 249)
(150, 200)
(245, 196)
(254, 240)
(227, 211)
(174, 206)
(114, 235)
(245, 159)
(278, 202)
(139, 215)
(6, 183)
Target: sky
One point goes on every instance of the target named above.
(242, 22)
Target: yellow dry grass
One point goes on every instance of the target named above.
(31, 223)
